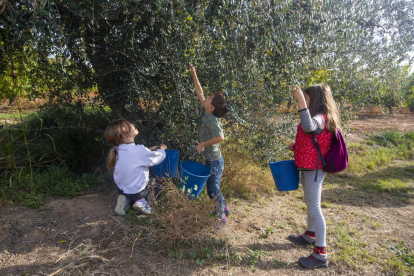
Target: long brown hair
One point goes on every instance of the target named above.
(321, 101)
(114, 134)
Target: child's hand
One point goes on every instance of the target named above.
(291, 146)
(297, 93)
(192, 70)
(153, 148)
(200, 147)
(163, 146)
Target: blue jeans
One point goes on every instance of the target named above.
(213, 183)
(153, 188)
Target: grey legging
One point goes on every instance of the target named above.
(313, 191)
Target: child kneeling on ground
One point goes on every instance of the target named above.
(130, 164)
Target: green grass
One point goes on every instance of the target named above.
(200, 255)
(14, 116)
(380, 150)
(350, 246)
(404, 253)
(55, 181)
(394, 138)
(379, 167)
(380, 174)
(88, 109)
(356, 251)
(402, 260)
(93, 108)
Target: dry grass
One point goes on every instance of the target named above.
(81, 260)
(179, 219)
(243, 178)
(24, 104)
(34, 103)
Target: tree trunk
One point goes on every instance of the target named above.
(290, 105)
(13, 75)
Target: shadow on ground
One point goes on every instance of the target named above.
(390, 187)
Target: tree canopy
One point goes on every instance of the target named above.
(137, 54)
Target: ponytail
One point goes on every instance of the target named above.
(111, 160)
(114, 134)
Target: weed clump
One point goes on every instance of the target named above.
(180, 219)
(246, 179)
(179, 227)
(80, 260)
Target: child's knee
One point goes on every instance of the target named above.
(213, 194)
(315, 213)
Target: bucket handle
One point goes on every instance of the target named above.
(200, 153)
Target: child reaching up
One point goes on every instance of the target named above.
(318, 114)
(130, 163)
(210, 134)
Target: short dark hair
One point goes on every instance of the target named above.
(219, 103)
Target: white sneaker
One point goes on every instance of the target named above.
(121, 203)
(143, 206)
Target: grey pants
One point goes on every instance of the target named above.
(313, 192)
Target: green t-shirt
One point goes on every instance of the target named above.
(210, 127)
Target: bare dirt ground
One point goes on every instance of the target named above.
(81, 236)
(380, 123)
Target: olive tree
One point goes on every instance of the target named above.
(137, 54)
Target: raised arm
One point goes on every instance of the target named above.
(308, 123)
(298, 95)
(197, 86)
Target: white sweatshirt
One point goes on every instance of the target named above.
(131, 173)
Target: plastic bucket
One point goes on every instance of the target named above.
(193, 177)
(285, 174)
(169, 166)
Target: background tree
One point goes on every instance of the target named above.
(409, 92)
(391, 88)
(15, 31)
(137, 53)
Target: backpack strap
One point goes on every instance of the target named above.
(320, 156)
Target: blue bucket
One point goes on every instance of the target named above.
(285, 174)
(169, 166)
(193, 177)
